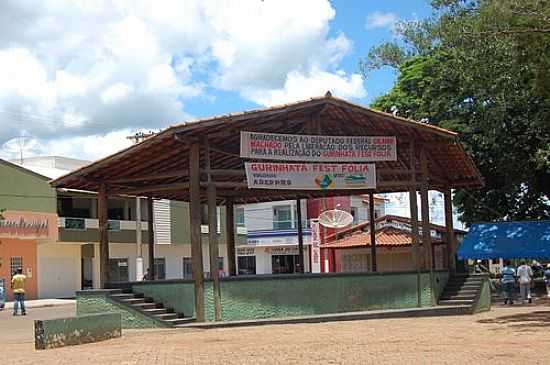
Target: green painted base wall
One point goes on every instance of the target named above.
(296, 295)
(92, 303)
(179, 296)
(76, 330)
(484, 302)
(273, 298)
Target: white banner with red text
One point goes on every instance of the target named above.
(308, 176)
(297, 147)
(315, 246)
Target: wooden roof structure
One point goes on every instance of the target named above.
(159, 166)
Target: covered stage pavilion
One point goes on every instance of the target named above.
(200, 162)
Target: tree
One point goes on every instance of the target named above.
(482, 68)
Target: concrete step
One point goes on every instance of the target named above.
(122, 296)
(463, 286)
(458, 297)
(456, 302)
(180, 321)
(131, 301)
(459, 292)
(155, 311)
(142, 306)
(468, 282)
(166, 316)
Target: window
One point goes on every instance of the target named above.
(187, 268)
(16, 263)
(78, 224)
(204, 214)
(68, 206)
(118, 269)
(282, 217)
(160, 268)
(284, 264)
(239, 217)
(355, 263)
(220, 263)
(247, 265)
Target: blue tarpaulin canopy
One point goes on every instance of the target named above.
(507, 240)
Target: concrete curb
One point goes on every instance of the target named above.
(336, 317)
(41, 303)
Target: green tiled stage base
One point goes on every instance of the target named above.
(61, 332)
(98, 301)
(279, 296)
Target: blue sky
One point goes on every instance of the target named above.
(77, 77)
(351, 20)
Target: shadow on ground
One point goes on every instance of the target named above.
(536, 319)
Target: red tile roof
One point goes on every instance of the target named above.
(386, 218)
(387, 236)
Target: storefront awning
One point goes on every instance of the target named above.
(507, 240)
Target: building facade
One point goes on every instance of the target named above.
(63, 258)
(272, 235)
(350, 249)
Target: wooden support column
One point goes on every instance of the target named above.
(300, 236)
(195, 228)
(213, 239)
(151, 235)
(415, 242)
(372, 225)
(451, 239)
(230, 236)
(103, 218)
(413, 206)
(426, 229)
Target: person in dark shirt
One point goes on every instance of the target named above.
(547, 279)
(508, 280)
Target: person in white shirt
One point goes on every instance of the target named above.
(525, 275)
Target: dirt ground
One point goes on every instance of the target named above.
(505, 335)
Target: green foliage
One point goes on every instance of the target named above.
(482, 68)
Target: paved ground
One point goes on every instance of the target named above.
(39, 303)
(506, 335)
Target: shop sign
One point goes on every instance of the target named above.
(24, 225)
(29, 225)
(306, 176)
(297, 147)
(245, 251)
(284, 250)
(315, 246)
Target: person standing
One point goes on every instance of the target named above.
(547, 279)
(525, 275)
(18, 286)
(508, 280)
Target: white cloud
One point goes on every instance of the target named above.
(300, 87)
(79, 69)
(381, 20)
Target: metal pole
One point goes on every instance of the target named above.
(300, 236)
(372, 225)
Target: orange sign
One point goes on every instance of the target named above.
(28, 225)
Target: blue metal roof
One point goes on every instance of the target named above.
(507, 240)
